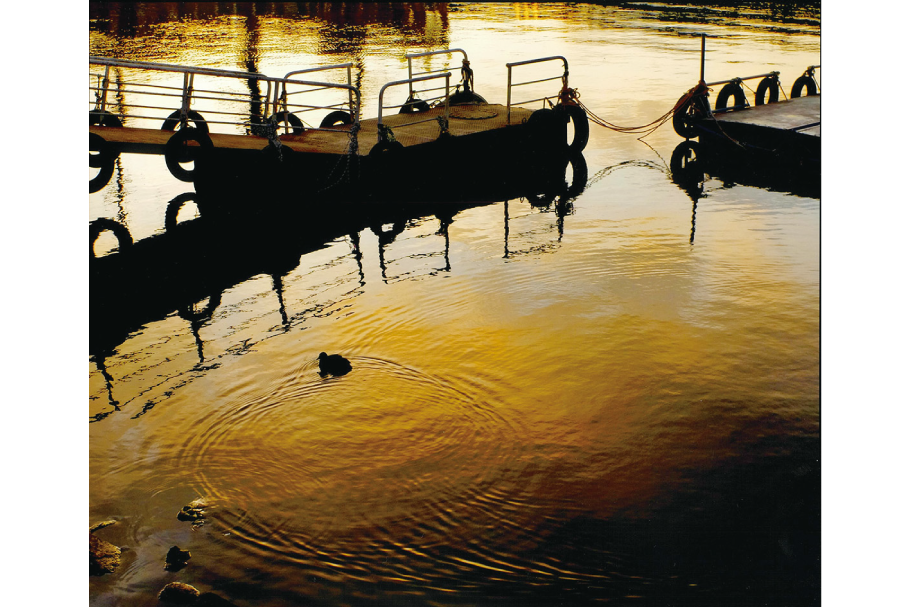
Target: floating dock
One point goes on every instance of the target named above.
(776, 130)
(464, 120)
(232, 140)
(789, 129)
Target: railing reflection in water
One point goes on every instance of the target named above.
(226, 269)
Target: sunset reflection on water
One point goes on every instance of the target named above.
(616, 396)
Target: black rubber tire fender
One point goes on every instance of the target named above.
(803, 82)
(172, 121)
(386, 148)
(730, 89)
(336, 118)
(768, 83)
(177, 150)
(685, 167)
(274, 155)
(414, 106)
(290, 119)
(103, 118)
(682, 123)
(465, 97)
(579, 119)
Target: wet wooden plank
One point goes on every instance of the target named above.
(408, 129)
(802, 114)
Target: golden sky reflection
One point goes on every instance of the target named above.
(595, 365)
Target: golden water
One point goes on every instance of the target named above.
(619, 402)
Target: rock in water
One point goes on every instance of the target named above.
(193, 511)
(103, 557)
(178, 594)
(176, 558)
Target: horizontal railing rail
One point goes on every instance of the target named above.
(775, 75)
(510, 84)
(240, 105)
(410, 82)
(353, 102)
(447, 68)
(743, 78)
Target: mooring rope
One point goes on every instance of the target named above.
(572, 96)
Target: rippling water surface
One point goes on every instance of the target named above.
(611, 399)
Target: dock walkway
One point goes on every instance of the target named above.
(802, 114)
(463, 120)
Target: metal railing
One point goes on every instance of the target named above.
(564, 77)
(736, 80)
(143, 99)
(283, 94)
(410, 81)
(809, 73)
(411, 75)
(239, 105)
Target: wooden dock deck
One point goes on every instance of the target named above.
(802, 115)
(408, 129)
(789, 128)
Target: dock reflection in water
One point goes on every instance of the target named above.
(184, 271)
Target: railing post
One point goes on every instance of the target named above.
(187, 94)
(410, 77)
(105, 84)
(702, 78)
(351, 96)
(509, 97)
(447, 100)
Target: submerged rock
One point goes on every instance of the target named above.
(103, 557)
(176, 558)
(101, 525)
(178, 593)
(193, 511)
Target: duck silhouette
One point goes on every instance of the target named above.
(333, 364)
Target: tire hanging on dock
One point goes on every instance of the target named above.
(466, 97)
(579, 120)
(686, 114)
(768, 83)
(178, 150)
(730, 89)
(336, 118)
(290, 119)
(546, 127)
(413, 106)
(386, 149)
(802, 82)
(172, 121)
(103, 118)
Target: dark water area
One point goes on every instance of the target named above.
(603, 393)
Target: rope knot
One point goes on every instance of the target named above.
(568, 96)
(386, 134)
